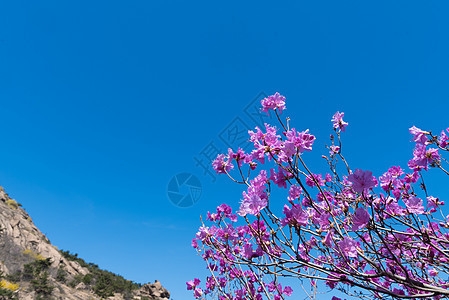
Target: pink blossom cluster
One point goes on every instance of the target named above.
(384, 236)
(273, 102)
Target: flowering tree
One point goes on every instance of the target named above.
(372, 237)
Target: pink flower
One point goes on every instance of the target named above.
(419, 136)
(249, 253)
(414, 205)
(279, 177)
(442, 140)
(273, 102)
(202, 233)
(193, 283)
(398, 291)
(289, 149)
(433, 203)
(421, 157)
(303, 141)
(360, 219)
(327, 239)
(432, 155)
(392, 207)
(198, 293)
(294, 192)
(338, 121)
(412, 178)
(433, 272)
(295, 216)
(310, 180)
(361, 180)
(220, 165)
(239, 156)
(348, 247)
(252, 205)
(288, 291)
(334, 149)
(255, 199)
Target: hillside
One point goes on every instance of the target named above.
(32, 268)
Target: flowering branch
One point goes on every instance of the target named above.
(354, 231)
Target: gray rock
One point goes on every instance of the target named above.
(154, 291)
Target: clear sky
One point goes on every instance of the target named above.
(103, 102)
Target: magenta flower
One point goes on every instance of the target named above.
(227, 233)
(414, 205)
(288, 291)
(398, 291)
(303, 141)
(421, 157)
(295, 216)
(389, 180)
(320, 218)
(256, 137)
(279, 178)
(249, 253)
(252, 205)
(393, 208)
(294, 192)
(412, 178)
(270, 137)
(289, 149)
(310, 180)
(198, 293)
(443, 139)
(225, 209)
(334, 149)
(212, 217)
(258, 154)
(255, 198)
(193, 283)
(273, 102)
(360, 219)
(386, 181)
(395, 171)
(361, 180)
(210, 283)
(239, 156)
(419, 136)
(220, 165)
(328, 239)
(271, 286)
(433, 272)
(338, 121)
(433, 203)
(432, 155)
(348, 247)
(202, 233)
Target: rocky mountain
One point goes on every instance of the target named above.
(32, 268)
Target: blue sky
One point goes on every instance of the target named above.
(103, 102)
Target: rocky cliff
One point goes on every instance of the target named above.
(32, 268)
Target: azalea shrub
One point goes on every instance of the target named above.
(368, 236)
